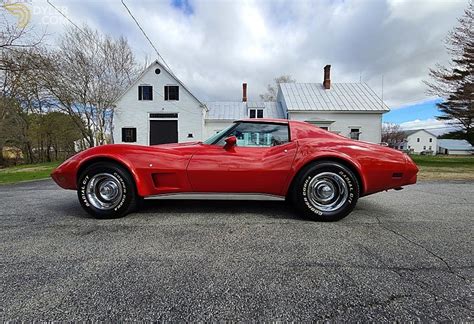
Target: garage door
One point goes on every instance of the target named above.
(163, 131)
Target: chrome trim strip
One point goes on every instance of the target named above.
(216, 196)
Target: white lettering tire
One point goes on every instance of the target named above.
(107, 190)
(325, 191)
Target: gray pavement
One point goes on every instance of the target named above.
(403, 255)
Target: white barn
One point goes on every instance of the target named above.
(158, 108)
(455, 147)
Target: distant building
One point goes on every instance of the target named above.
(418, 141)
(455, 147)
(158, 108)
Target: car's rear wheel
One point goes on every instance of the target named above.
(325, 191)
(107, 190)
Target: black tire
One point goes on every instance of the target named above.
(325, 191)
(104, 180)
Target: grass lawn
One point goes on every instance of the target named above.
(26, 172)
(445, 167)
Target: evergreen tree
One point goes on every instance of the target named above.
(455, 83)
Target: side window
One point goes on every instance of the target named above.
(145, 92)
(171, 92)
(258, 135)
(129, 135)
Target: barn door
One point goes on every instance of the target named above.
(163, 131)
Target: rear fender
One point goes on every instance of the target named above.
(303, 159)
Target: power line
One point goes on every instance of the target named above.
(146, 36)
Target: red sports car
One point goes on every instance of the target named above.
(321, 173)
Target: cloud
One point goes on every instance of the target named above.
(213, 46)
(437, 127)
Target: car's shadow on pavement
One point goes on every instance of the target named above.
(270, 209)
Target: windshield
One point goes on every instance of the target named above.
(214, 138)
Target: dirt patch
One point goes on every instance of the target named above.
(433, 173)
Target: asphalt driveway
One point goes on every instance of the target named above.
(403, 255)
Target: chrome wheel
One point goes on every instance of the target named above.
(104, 191)
(327, 191)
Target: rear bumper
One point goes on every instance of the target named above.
(411, 171)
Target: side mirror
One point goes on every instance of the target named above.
(230, 143)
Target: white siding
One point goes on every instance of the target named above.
(131, 112)
(370, 124)
(424, 143)
(213, 126)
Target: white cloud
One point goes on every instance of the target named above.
(224, 43)
(437, 127)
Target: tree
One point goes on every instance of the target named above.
(455, 83)
(392, 134)
(272, 89)
(86, 75)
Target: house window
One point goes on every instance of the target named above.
(424, 147)
(429, 147)
(418, 139)
(324, 127)
(255, 113)
(431, 140)
(355, 133)
(171, 92)
(129, 135)
(145, 92)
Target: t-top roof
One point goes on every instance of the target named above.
(340, 97)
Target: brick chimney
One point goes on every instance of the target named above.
(327, 77)
(244, 92)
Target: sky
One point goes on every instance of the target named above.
(213, 46)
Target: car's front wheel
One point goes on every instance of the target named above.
(107, 190)
(326, 191)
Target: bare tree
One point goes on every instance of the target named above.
(272, 89)
(86, 75)
(392, 134)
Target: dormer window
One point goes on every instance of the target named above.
(145, 92)
(255, 113)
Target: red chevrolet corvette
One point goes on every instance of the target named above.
(321, 173)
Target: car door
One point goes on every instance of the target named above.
(259, 163)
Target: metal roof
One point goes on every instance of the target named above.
(457, 145)
(232, 110)
(341, 97)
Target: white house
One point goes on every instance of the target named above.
(455, 147)
(158, 108)
(418, 141)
